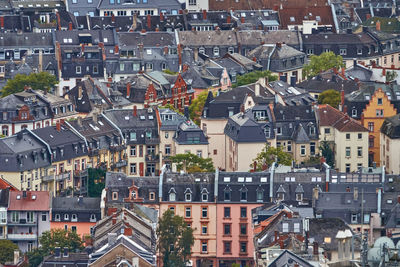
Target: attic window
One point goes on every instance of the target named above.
(292, 19)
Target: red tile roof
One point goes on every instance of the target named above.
(4, 184)
(34, 201)
(329, 116)
(295, 16)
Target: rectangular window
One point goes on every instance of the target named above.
(204, 212)
(302, 150)
(348, 151)
(347, 136)
(348, 167)
(204, 229)
(204, 247)
(285, 227)
(243, 247)
(227, 212)
(243, 229)
(29, 216)
(227, 229)
(188, 212)
(359, 151)
(133, 136)
(78, 69)
(243, 212)
(370, 126)
(227, 247)
(312, 148)
(243, 196)
(167, 149)
(327, 130)
(133, 151)
(133, 168)
(360, 136)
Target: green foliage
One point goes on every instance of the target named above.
(252, 77)
(391, 76)
(327, 153)
(323, 62)
(52, 239)
(7, 248)
(96, 182)
(171, 107)
(270, 154)
(197, 106)
(192, 163)
(37, 81)
(331, 97)
(175, 240)
(168, 71)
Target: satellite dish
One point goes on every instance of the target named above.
(374, 255)
(379, 244)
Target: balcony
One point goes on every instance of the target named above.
(63, 176)
(48, 178)
(93, 152)
(117, 148)
(119, 164)
(17, 237)
(21, 222)
(81, 173)
(152, 157)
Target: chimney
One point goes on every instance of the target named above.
(116, 49)
(355, 193)
(279, 45)
(58, 126)
(128, 231)
(315, 193)
(342, 99)
(112, 237)
(255, 166)
(94, 117)
(257, 90)
(57, 252)
(228, 19)
(80, 92)
(79, 120)
(165, 50)
(242, 108)
(40, 66)
(16, 256)
(204, 14)
(112, 17)
(65, 254)
(398, 199)
(315, 248)
(148, 21)
(134, 111)
(196, 54)
(2, 22)
(161, 16)
(368, 16)
(276, 235)
(383, 72)
(242, 19)
(128, 90)
(70, 26)
(378, 25)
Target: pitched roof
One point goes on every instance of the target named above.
(391, 127)
(286, 257)
(329, 116)
(295, 16)
(76, 204)
(33, 201)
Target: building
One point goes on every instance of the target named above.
(28, 217)
(389, 143)
(4, 197)
(25, 161)
(76, 214)
(346, 136)
(69, 155)
(150, 7)
(140, 130)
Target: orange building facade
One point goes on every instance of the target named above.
(377, 110)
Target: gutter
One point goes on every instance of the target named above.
(41, 140)
(335, 18)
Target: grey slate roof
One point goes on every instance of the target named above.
(391, 127)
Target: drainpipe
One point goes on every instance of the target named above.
(327, 174)
(379, 201)
(216, 184)
(383, 174)
(335, 20)
(160, 184)
(271, 183)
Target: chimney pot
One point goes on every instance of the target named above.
(204, 14)
(315, 248)
(58, 126)
(378, 25)
(135, 111)
(128, 90)
(70, 26)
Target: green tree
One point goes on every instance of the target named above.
(270, 154)
(96, 182)
(175, 240)
(60, 238)
(327, 153)
(7, 248)
(196, 107)
(253, 77)
(192, 163)
(391, 76)
(331, 97)
(323, 62)
(37, 81)
(35, 257)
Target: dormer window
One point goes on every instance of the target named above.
(204, 195)
(260, 194)
(57, 217)
(172, 194)
(299, 196)
(92, 217)
(133, 194)
(66, 217)
(227, 194)
(243, 194)
(74, 218)
(188, 194)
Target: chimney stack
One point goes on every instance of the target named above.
(116, 49)
(279, 45)
(58, 126)
(257, 90)
(378, 25)
(128, 90)
(242, 109)
(80, 92)
(315, 248)
(341, 100)
(94, 117)
(148, 21)
(242, 19)
(112, 17)
(355, 193)
(16, 257)
(134, 111)
(70, 26)
(2, 22)
(204, 14)
(161, 16)
(228, 19)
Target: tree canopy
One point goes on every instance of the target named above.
(52, 239)
(96, 182)
(196, 107)
(7, 248)
(323, 62)
(270, 154)
(37, 81)
(175, 240)
(331, 97)
(391, 76)
(253, 76)
(192, 163)
(327, 153)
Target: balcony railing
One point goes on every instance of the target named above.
(81, 173)
(63, 176)
(117, 148)
(119, 164)
(22, 236)
(152, 157)
(21, 222)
